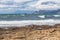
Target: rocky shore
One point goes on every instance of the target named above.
(31, 32)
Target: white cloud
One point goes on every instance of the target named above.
(28, 6)
(51, 6)
(20, 1)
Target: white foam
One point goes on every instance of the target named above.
(22, 15)
(28, 22)
(42, 16)
(56, 15)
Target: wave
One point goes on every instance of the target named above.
(42, 16)
(28, 22)
(56, 15)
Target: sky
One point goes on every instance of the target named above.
(14, 6)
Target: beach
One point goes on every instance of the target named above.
(31, 32)
(29, 19)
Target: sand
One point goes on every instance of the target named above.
(31, 32)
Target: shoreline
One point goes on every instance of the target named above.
(50, 22)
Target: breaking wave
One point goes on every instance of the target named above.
(28, 22)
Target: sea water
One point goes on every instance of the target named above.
(18, 20)
(19, 17)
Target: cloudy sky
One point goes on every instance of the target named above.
(14, 6)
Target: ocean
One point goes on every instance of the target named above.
(18, 20)
(19, 17)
